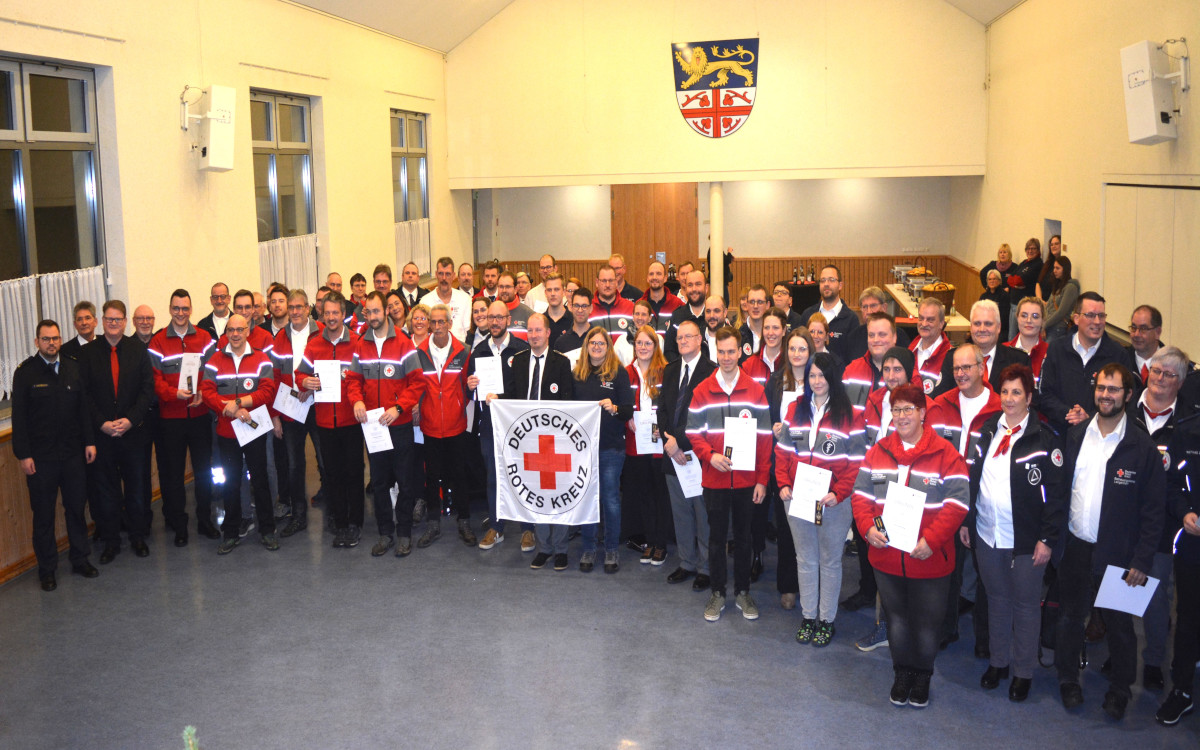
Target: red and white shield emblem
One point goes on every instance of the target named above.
(248, 384)
(716, 84)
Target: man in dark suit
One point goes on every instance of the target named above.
(119, 383)
(410, 288)
(985, 334)
(85, 330)
(215, 321)
(500, 343)
(52, 437)
(539, 374)
(680, 378)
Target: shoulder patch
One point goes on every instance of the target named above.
(927, 386)
(744, 414)
(554, 387)
(747, 349)
(1056, 457)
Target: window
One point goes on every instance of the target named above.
(410, 181)
(281, 128)
(49, 218)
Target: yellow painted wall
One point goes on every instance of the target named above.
(560, 92)
(168, 224)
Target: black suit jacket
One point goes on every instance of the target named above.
(206, 324)
(1001, 358)
(669, 422)
(558, 382)
(49, 412)
(421, 292)
(135, 387)
(483, 415)
(71, 349)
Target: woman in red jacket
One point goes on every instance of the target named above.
(913, 584)
(823, 431)
(644, 482)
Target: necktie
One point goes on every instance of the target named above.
(986, 366)
(536, 382)
(412, 300)
(52, 370)
(683, 384)
(116, 370)
(1145, 374)
(1157, 414)
(1004, 441)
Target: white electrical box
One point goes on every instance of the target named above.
(1149, 101)
(216, 128)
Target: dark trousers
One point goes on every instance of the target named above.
(1187, 625)
(388, 468)
(179, 436)
(49, 477)
(866, 574)
(787, 577)
(721, 504)
(444, 460)
(915, 607)
(760, 518)
(154, 445)
(645, 496)
(979, 614)
(283, 472)
(231, 455)
(295, 494)
(342, 448)
(119, 475)
(1078, 586)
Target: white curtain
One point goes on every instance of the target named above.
(291, 261)
(61, 291)
(18, 311)
(412, 245)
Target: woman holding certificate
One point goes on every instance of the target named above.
(645, 484)
(815, 465)
(1015, 521)
(910, 497)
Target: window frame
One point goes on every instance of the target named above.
(404, 152)
(274, 148)
(17, 132)
(87, 78)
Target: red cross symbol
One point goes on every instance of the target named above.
(547, 463)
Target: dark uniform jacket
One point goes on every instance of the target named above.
(135, 387)
(49, 412)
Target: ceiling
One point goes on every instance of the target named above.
(443, 25)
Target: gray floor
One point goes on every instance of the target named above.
(311, 647)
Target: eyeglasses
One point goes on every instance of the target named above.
(219, 297)
(113, 320)
(143, 319)
(1110, 389)
(1141, 329)
(49, 339)
(235, 330)
(963, 368)
(1095, 316)
(581, 306)
(497, 317)
(687, 336)
(180, 310)
(829, 280)
(1161, 373)
(903, 411)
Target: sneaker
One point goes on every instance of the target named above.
(540, 560)
(660, 556)
(560, 561)
(1177, 705)
(612, 562)
(403, 546)
(352, 536)
(433, 531)
(491, 539)
(647, 555)
(873, 640)
(587, 561)
(823, 634)
(282, 510)
(382, 546)
(712, 610)
(270, 542)
(901, 687)
(918, 696)
(293, 526)
(339, 538)
(805, 633)
(747, 605)
(227, 545)
(465, 534)
(528, 543)
(246, 527)
(418, 511)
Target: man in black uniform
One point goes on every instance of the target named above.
(52, 438)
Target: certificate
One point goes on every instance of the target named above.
(289, 405)
(245, 433)
(189, 372)
(418, 436)
(377, 436)
(810, 484)
(902, 512)
(789, 398)
(1116, 594)
(690, 475)
(330, 373)
(491, 377)
(646, 432)
(741, 435)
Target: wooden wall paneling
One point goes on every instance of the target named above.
(647, 219)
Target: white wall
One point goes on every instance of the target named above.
(555, 92)
(168, 224)
(567, 222)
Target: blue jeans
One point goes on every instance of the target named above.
(611, 463)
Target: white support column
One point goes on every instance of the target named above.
(716, 241)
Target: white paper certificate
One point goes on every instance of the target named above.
(245, 433)
(418, 436)
(289, 405)
(810, 484)
(330, 373)
(1116, 594)
(690, 476)
(644, 434)
(377, 436)
(491, 377)
(902, 511)
(189, 372)
(741, 434)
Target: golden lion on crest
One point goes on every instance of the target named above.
(696, 64)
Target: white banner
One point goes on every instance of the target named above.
(547, 461)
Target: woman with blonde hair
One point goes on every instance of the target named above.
(645, 496)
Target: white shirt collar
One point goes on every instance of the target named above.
(1085, 352)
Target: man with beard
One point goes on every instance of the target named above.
(695, 290)
(841, 320)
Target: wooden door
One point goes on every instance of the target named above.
(649, 219)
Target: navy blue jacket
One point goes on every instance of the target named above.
(1066, 381)
(1183, 474)
(839, 329)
